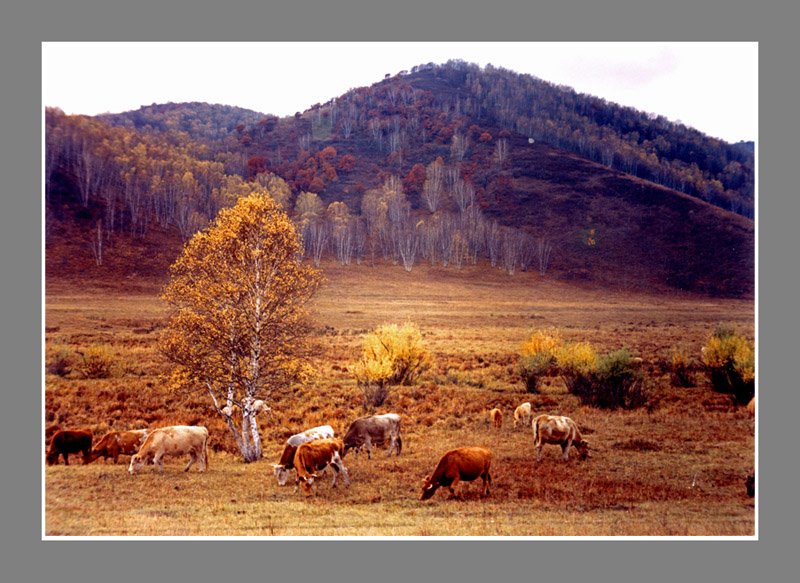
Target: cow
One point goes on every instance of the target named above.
(522, 414)
(750, 484)
(751, 407)
(67, 441)
(286, 463)
(365, 431)
(496, 415)
(114, 443)
(560, 430)
(314, 456)
(49, 431)
(175, 440)
(464, 464)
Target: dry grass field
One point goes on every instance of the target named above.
(673, 468)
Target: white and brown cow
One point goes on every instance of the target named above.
(522, 414)
(114, 443)
(459, 465)
(365, 431)
(313, 457)
(176, 440)
(286, 463)
(559, 430)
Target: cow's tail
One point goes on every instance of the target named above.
(205, 452)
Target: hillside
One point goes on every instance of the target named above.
(485, 154)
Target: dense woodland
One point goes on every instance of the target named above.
(444, 163)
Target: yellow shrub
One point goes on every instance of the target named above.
(392, 355)
(542, 342)
(577, 356)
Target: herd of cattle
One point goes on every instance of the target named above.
(311, 452)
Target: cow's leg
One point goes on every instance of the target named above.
(340, 466)
(335, 474)
(565, 448)
(368, 445)
(66, 458)
(453, 487)
(157, 462)
(539, 453)
(192, 458)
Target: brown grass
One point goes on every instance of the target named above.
(676, 467)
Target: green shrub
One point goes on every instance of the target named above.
(613, 382)
(729, 361)
(533, 367)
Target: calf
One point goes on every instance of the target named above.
(365, 431)
(464, 464)
(496, 415)
(522, 414)
(286, 463)
(114, 443)
(69, 441)
(314, 456)
(751, 407)
(175, 440)
(558, 430)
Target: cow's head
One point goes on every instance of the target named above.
(307, 482)
(428, 488)
(281, 473)
(583, 449)
(137, 462)
(52, 458)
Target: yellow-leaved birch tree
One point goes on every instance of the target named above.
(239, 326)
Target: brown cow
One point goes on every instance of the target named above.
(114, 443)
(751, 406)
(69, 441)
(496, 415)
(560, 430)
(365, 431)
(464, 464)
(750, 484)
(314, 456)
(286, 463)
(175, 440)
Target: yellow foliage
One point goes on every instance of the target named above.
(577, 357)
(542, 342)
(392, 355)
(730, 348)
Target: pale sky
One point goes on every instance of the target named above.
(711, 86)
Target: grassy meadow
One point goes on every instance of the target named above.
(673, 468)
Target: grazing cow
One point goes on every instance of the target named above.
(365, 431)
(522, 414)
(114, 443)
(558, 430)
(496, 415)
(286, 463)
(175, 440)
(459, 465)
(314, 456)
(751, 406)
(49, 431)
(67, 441)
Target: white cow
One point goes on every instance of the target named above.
(559, 430)
(522, 414)
(175, 440)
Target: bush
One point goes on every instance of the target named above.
(391, 355)
(538, 358)
(60, 360)
(97, 362)
(681, 374)
(612, 382)
(729, 360)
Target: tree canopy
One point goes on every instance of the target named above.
(239, 322)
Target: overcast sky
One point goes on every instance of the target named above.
(711, 86)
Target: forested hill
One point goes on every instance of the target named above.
(444, 163)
